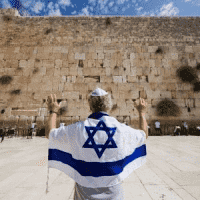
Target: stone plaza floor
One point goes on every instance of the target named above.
(172, 171)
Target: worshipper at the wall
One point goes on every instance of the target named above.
(100, 152)
(157, 128)
(177, 130)
(184, 128)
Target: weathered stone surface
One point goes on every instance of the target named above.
(71, 67)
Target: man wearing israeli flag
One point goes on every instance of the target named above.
(100, 152)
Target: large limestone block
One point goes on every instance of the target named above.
(91, 63)
(107, 79)
(58, 63)
(71, 95)
(189, 49)
(23, 63)
(165, 94)
(153, 94)
(73, 70)
(196, 48)
(48, 63)
(132, 94)
(126, 65)
(94, 71)
(117, 79)
(152, 49)
(79, 56)
(68, 87)
(132, 79)
(106, 63)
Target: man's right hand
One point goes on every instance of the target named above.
(141, 107)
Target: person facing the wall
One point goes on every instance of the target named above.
(100, 152)
(177, 130)
(157, 128)
(184, 128)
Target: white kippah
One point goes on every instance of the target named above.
(99, 92)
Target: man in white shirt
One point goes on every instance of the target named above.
(177, 130)
(184, 128)
(157, 128)
(100, 152)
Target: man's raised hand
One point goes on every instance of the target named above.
(141, 107)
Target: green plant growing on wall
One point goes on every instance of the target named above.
(7, 18)
(167, 108)
(196, 86)
(2, 111)
(35, 70)
(187, 74)
(48, 31)
(19, 68)
(5, 80)
(159, 51)
(108, 21)
(198, 66)
(15, 92)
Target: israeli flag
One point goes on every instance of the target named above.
(97, 152)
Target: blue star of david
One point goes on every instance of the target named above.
(99, 148)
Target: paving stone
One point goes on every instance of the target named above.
(171, 171)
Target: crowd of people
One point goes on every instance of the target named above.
(32, 130)
(29, 130)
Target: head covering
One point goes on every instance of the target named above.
(99, 92)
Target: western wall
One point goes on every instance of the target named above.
(130, 57)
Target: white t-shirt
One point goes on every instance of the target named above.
(157, 124)
(33, 125)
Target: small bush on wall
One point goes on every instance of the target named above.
(2, 111)
(48, 31)
(15, 92)
(198, 66)
(159, 51)
(108, 21)
(19, 68)
(35, 70)
(5, 80)
(167, 108)
(7, 18)
(196, 86)
(187, 74)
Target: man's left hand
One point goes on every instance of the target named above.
(53, 104)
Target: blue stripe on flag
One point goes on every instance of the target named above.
(96, 169)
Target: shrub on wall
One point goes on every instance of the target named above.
(198, 66)
(108, 21)
(35, 70)
(2, 111)
(48, 31)
(196, 86)
(7, 18)
(5, 80)
(159, 50)
(15, 92)
(187, 74)
(167, 108)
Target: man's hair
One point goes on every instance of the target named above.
(100, 103)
